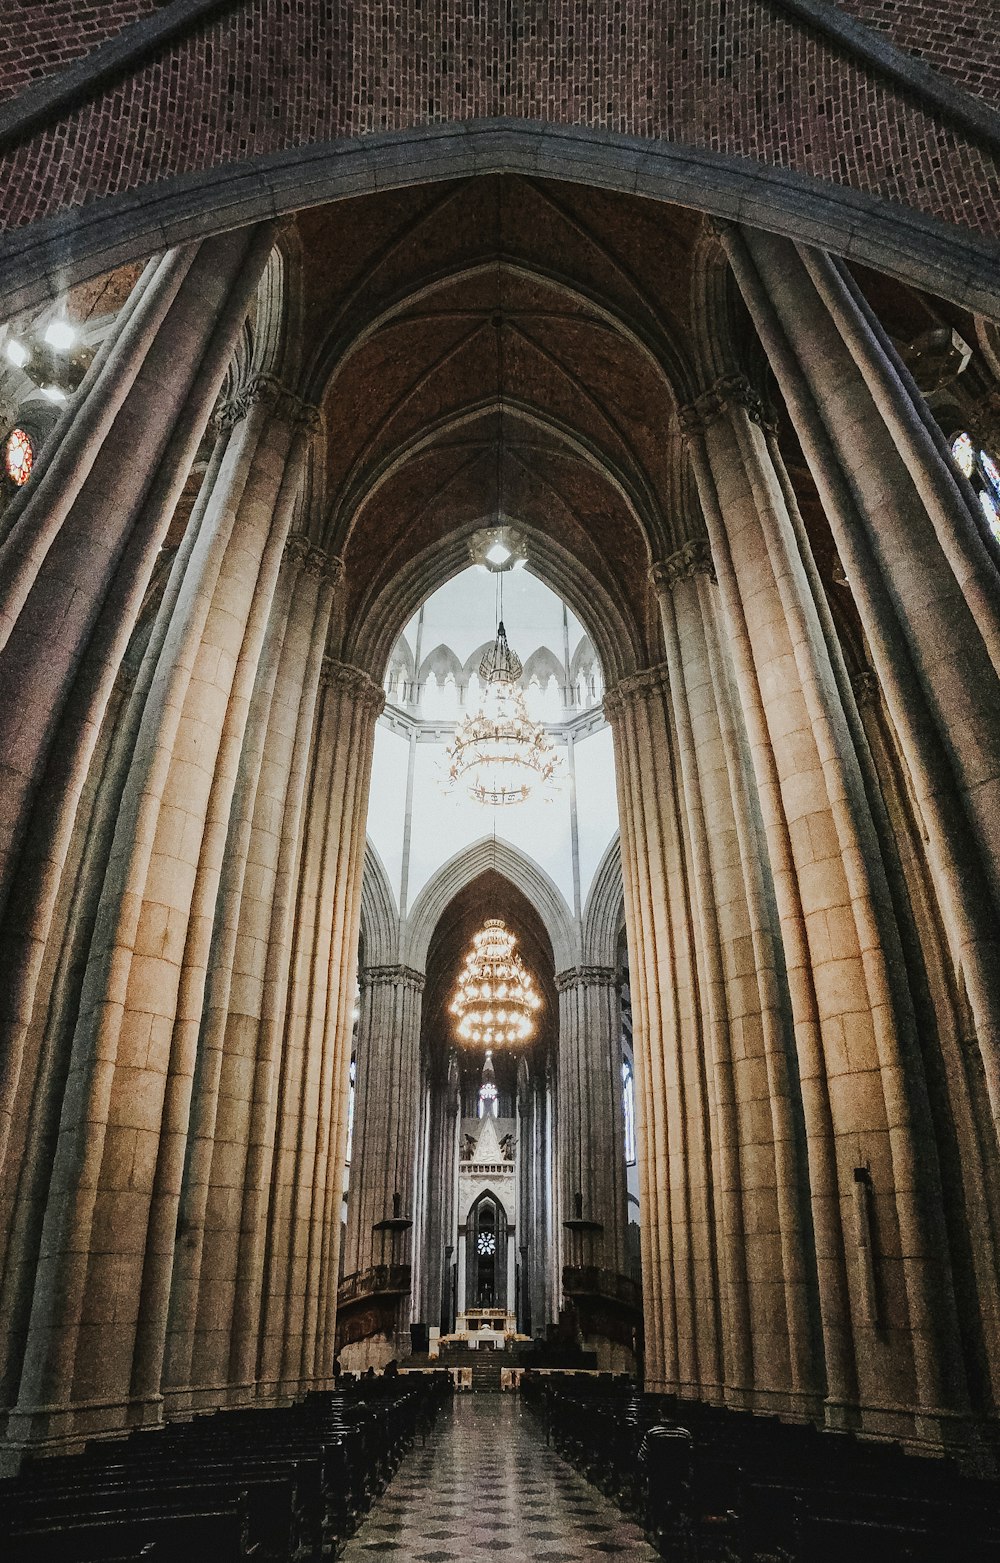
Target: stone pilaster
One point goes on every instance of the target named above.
(855, 1025)
(383, 1182)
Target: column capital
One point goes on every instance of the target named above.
(866, 687)
(644, 685)
(392, 977)
(352, 681)
(300, 549)
(728, 392)
(693, 558)
(283, 403)
(586, 977)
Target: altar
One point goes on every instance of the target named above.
(490, 1328)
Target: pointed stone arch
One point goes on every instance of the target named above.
(379, 913)
(604, 913)
(466, 866)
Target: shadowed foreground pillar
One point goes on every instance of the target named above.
(375, 1294)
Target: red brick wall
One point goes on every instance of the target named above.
(736, 76)
(960, 38)
(38, 37)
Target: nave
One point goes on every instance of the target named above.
(485, 1484)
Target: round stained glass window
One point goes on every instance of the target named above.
(487, 1243)
(18, 456)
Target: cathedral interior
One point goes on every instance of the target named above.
(500, 760)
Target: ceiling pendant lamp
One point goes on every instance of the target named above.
(494, 1002)
(499, 755)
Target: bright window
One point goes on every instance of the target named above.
(18, 456)
(488, 1102)
(628, 1108)
(984, 475)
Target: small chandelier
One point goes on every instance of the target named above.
(498, 753)
(495, 1002)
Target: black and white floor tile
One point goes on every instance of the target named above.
(486, 1486)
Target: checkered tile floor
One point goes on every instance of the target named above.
(486, 1485)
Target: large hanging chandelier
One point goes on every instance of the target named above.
(495, 1002)
(498, 753)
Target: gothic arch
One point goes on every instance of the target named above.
(41, 259)
(379, 914)
(604, 913)
(387, 605)
(461, 870)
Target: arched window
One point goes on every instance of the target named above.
(488, 1101)
(18, 457)
(350, 1111)
(628, 1109)
(984, 475)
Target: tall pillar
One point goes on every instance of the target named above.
(214, 1306)
(673, 1113)
(923, 571)
(891, 1353)
(80, 542)
(439, 1209)
(379, 1248)
(107, 1244)
(313, 1024)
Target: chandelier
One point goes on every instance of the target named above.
(495, 1000)
(498, 753)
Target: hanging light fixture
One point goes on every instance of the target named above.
(498, 753)
(495, 1002)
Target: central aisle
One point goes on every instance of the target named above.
(486, 1485)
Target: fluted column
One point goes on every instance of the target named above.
(923, 571)
(386, 1113)
(80, 542)
(224, 1196)
(894, 1354)
(680, 1282)
(439, 1209)
(591, 1140)
(112, 1208)
(313, 1025)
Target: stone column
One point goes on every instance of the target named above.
(923, 571)
(440, 1206)
(112, 1206)
(80, 543)
(383, 1163)
(312, 1018)
(591, 1141)
(680, 1283)
(895, 1358)
(229, 1145)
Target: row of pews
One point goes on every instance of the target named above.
(713, 1485)
(289, 1483)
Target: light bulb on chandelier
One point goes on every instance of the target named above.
(495, 1003)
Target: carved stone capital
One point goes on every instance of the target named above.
(352, 681)
(729, 391)
(866, 687)
(282, 403)
(301, 550)
(693, 558)
(644, 685)
(392, 977)
(585, 977)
